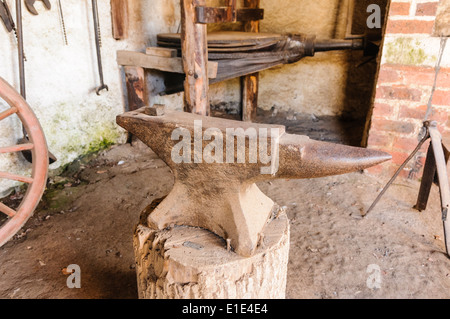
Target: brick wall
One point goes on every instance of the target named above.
(405, 81)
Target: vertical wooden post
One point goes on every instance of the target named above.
(250, 83)
(119, 17)
(195, 59)
(136, 87)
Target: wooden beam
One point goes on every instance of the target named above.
(162, 52)
(195, 59)
(136, 87)
(119, 17)
(250, 83)
(175, 65)
(244, 15)
(226, 14)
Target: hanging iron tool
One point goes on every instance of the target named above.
(5, 15)
(63, 25)
(30, 5)
(24, 139)
(102, 86)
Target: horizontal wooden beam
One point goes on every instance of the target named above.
(226, 14)
(174, 65)
(162, 52)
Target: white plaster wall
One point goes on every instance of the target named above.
(61, 80)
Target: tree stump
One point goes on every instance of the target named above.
(183, 262)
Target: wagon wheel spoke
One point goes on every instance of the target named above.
(8, 112)
(7, 210)
(16, 148)
(14, 177)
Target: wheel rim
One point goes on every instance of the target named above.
(37, 145)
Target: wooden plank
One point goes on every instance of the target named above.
(136, 87)
(162, 52)
(119, 17)
(195, 59)
(250, 83)
(175, 65)
(207, 15)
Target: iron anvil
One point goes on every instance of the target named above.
(214, 185)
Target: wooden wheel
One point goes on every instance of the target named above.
(37, 145)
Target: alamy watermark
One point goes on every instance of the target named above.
(230, 148)
(374, 19)
(74, 280)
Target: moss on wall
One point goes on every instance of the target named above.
(405, 51)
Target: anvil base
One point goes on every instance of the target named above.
(185, 262)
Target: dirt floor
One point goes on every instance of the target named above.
(87, 218)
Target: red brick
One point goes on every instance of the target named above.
(399, 157)
(382, 110)
(409, 26)
(388, 75)
(408, 112)
(406, 144)
(378, 139)
(417, 75)
(399, 8)
(439, 115)
(392, 126)
(443, 79)
(441, 97)
(427, 9)
(399, 93)
(408, 75)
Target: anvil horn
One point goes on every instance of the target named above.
(301, 157)
(222, 196)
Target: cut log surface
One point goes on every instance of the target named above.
(193, 263)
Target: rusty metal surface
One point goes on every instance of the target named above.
(222, 196)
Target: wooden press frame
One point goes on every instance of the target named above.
(195, 16)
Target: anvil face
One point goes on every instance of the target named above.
(216, 163)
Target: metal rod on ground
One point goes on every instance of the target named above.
(427, 135)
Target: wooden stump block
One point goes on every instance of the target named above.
(192, 263)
